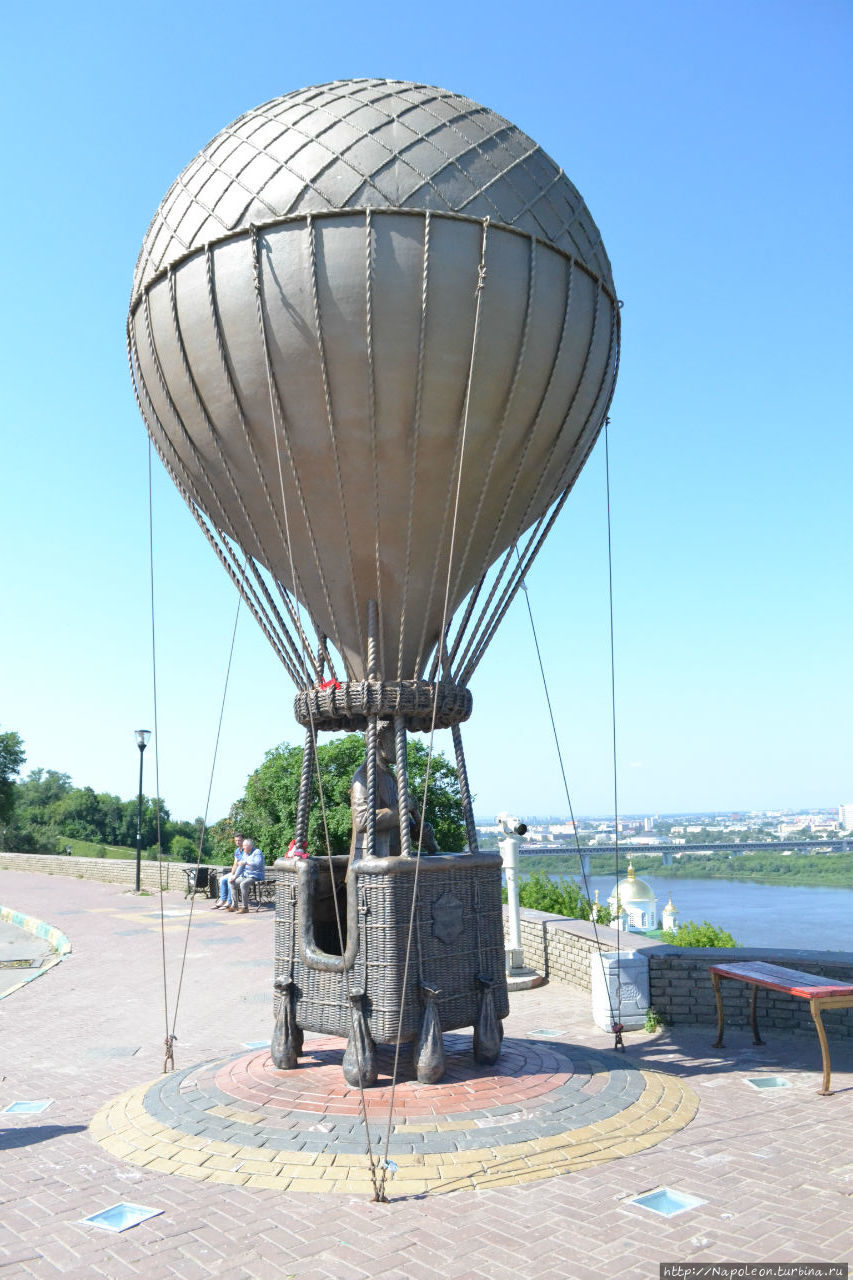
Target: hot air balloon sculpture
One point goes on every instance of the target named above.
(373, 334)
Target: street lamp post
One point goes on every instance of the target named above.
(142, 736)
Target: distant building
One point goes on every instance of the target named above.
(633, 905)
(845, 817)
(817, 824)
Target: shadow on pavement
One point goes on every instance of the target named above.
(687, 1053)
(28, 1137)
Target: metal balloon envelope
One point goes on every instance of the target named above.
(374, 335)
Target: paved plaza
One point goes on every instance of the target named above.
(525, 1169)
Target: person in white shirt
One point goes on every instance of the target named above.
(252, 867)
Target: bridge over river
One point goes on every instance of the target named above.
(666, 851)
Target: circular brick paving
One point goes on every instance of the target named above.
(525, 1071)
(544, 1108)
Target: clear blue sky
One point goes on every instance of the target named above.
(711, 141)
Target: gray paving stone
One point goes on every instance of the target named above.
(112, 1051)
(780, 1205)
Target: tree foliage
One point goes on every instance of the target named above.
(12, 757)
(773, 866)
(48, 811)
(561, 897)
(183, 849)
(267, 811)
(691, 934)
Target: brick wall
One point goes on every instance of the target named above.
(679, 982)
(681, 988)
(107, 870)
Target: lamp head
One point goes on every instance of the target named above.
(142, 736)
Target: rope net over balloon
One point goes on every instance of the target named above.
(346, 548)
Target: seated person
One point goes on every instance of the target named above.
(252, 868)
(226, 880)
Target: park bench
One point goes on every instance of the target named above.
(201, 880)
(821, 993)
(206, 880)
(262, 891)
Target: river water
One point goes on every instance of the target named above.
(757, 915)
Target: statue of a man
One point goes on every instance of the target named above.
(387, 810)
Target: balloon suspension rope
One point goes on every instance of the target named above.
(377, 1188)
(615, 1014)
(169, 1036)
(203, 830)
(478, 294)
(617, 1024)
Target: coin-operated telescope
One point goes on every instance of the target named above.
(512, 830)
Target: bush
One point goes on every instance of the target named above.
(183, 849)
(28, 840)
(560, 897)
(691, 934)
(653, 1022)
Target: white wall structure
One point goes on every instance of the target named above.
(634, 899)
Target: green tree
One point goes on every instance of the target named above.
(37, 798)
(219, 841)
(109, 817)
(80, 815)
(562, 897)
(183, 849)
(691, 934)
(443, 806)
(171, 828)
(12, 757)
(149, 826)
(267, 811)
(38, 794)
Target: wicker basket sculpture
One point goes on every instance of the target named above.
(366, 991)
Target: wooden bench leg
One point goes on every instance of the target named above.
(263, 891)
(815, 1006)
(718, 996)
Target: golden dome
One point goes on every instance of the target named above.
(632, 889)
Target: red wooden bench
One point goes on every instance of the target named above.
(821, 993)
